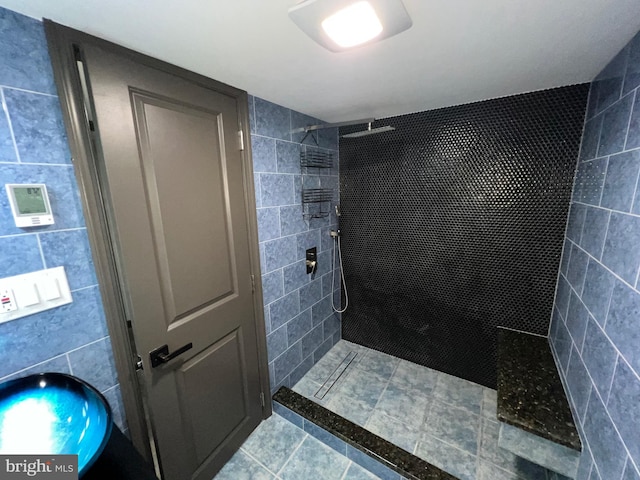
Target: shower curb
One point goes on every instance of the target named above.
(380, 457)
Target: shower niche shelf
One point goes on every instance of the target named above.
(316, 201)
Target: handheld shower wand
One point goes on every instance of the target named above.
(335, 234)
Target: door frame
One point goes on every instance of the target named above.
(65, 48)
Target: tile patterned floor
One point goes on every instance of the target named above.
(278, 449)
(447, 421)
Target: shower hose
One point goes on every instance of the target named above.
(337, 247)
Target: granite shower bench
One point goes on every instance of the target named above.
(536, 421)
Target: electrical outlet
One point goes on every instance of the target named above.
(7, 301)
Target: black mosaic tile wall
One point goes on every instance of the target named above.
(453, 225)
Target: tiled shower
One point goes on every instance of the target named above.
(594, 353)
(453, 225)
(444, 230)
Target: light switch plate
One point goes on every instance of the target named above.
(49, 288)
(35, 292)
(26, 294)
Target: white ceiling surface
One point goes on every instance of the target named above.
(457, 51)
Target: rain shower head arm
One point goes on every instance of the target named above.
(322, 126)
(369, 131)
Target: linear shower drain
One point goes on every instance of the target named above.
(335, 375)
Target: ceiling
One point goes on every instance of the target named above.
(457, 51)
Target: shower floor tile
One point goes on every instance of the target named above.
(447, 421)
(278, 450)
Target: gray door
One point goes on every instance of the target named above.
(174, 175)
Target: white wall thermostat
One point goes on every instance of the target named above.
(30, 204)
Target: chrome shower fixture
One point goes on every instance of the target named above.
(369, 131)
(322, 126)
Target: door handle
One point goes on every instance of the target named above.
(161, 354)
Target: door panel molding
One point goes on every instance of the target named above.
(146, 108)
(235, 413)
(66, 46)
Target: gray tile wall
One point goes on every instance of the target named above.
(301, 325)
(595, 328)
(33, 149)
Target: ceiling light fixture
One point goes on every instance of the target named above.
(353, 25)
(339, 25)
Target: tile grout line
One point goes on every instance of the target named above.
(583, 418)
(614, 104)
(283, 140)
(604, 181)
(604, 241)
(17, 235)
(600, 207)
(71, 229)
(633, 463)
(10, 125)
(479, 435)
(306, 435)
(85, 288)
(40, 249)
(635, 190)
(344, 474)
(594, 389)
(423, 430)
(87, 344)
(22, 370)
(69, 362)
(608, 269)
(383, 390)
(593, 383)
(248, 454)
(599, 133)
(633, 102)
(28, 91)
(613, 376)
(38, 164)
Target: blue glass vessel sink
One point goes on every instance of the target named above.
(54, 413)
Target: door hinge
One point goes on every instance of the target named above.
(241, 139)
(262, 399)
(253, 283)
